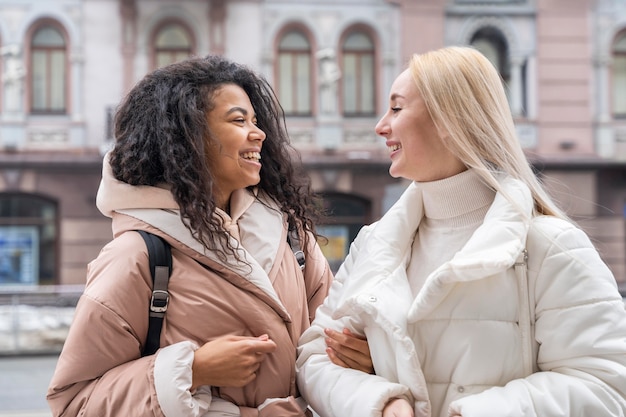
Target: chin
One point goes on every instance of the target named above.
(394, 173)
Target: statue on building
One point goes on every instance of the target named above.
(329, 75)
(12, 76)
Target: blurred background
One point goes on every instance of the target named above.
(66, 64)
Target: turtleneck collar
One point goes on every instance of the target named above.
(456, 197)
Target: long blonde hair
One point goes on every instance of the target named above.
(464, 95)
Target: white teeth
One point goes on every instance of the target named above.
(251, 155)
(394, 147)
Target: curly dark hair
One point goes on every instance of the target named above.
(162, 133)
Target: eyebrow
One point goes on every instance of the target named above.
(237, 109)
(395, 96)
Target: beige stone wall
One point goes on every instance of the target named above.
(564, 78)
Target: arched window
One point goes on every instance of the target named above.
(28, 234)
(293, 74)
(358, 76)
(619, 76)
(172, 43)
(491, 43)
(48, 71)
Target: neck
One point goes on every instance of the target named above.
(222, 201)
(225, 206)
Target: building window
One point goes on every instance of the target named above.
(619, 77)
(28, 253)
(346, 216)
(48, 71)
(293, 74)
(172, 43)
(358, 77)
(489, 42)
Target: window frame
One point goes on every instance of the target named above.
(155, 50)
(48, 250)
(294, 82)
(367, 32)
(64, 77)
(499, 42)
(615, 54)
(344, 224)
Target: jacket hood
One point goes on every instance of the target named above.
(116, 195)
(154, 209)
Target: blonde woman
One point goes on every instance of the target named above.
(477, 295)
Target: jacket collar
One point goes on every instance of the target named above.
(258, 246)
(385, 252)
(493, 247)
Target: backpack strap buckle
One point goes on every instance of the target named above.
(294, 241)
(159, 302)
(300, 258)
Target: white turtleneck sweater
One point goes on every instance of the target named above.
(454, 207)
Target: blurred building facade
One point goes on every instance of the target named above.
(66, 64)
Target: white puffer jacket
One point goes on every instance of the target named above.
(463, 345)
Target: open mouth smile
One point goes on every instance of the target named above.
(251, 156)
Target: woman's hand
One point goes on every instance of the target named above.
(349, 350)
(230, 361)
(398, 407)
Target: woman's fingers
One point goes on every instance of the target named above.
(349, 350)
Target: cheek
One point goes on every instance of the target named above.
(212, 149)
(421, 147)
(225, 153)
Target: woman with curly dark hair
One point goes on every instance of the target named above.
(202, 159)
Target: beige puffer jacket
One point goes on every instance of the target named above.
(101, 372)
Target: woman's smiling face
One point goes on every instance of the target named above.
(234, 150)
(416, 149)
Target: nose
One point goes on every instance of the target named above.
(382, 127)
(257, 133)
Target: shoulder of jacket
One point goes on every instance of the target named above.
(125, 255)
(120, 276)
(130, 243)
(365, 232)
(552, 232)
(550, 225)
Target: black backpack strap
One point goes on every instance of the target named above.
(160, 256)
(294, 241)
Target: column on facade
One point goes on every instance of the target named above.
(605, 137)
(128, 13)
(602, 68)
(217, 18)
(76, 80)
